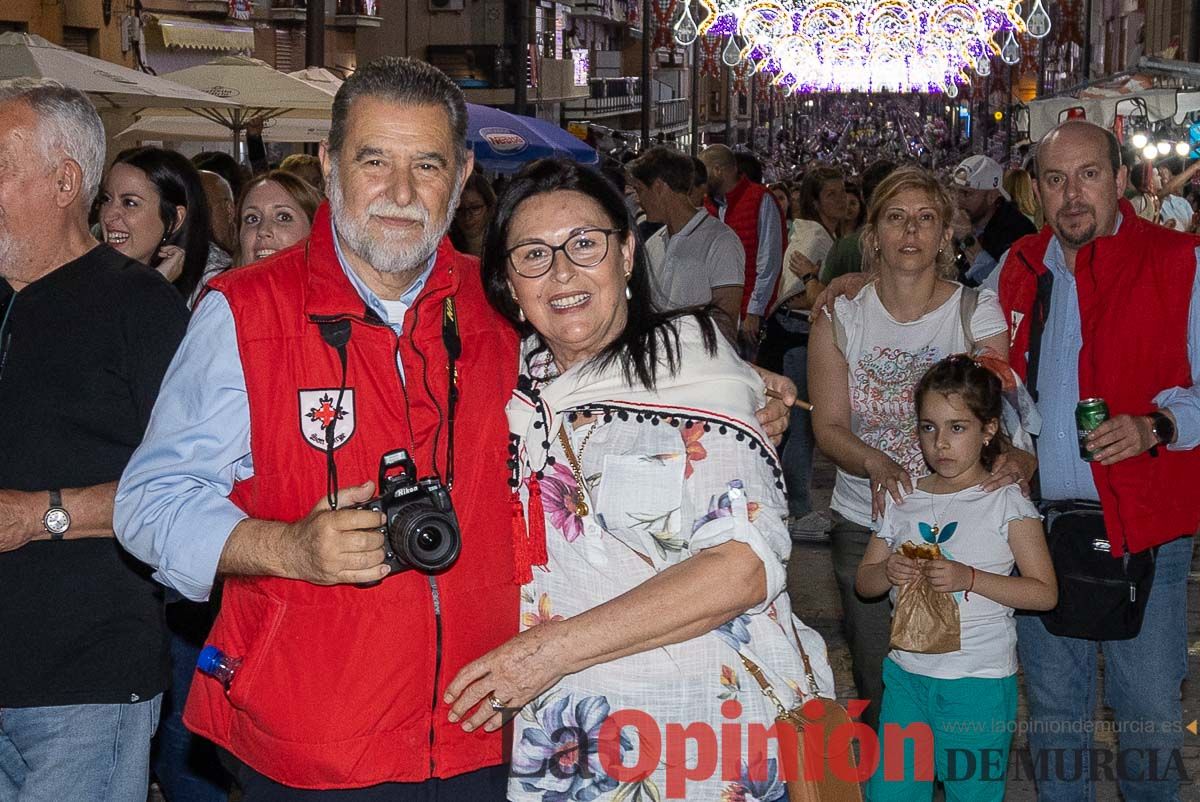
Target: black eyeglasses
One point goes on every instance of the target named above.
(586, 247)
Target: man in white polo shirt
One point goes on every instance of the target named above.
(695, 259)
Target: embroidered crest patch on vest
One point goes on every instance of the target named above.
(319, 409)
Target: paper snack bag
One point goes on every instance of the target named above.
(925, 621)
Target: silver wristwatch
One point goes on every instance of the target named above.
(57, 520)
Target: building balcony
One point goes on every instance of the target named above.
(557, 80)
(600, 10)
(474, 67)
(209, 8)
(607, 97)
(288, 11)
(353, 14)
(670, 114)
(671, 58)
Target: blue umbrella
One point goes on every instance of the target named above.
(503, 142)
(574, 147)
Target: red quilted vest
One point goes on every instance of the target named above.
(741, 214)
(341, 687)
(1134, 292)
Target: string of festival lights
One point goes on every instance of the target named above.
(865, 45)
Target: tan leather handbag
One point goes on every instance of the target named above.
(818, 781)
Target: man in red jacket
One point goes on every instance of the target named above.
(297, 374)
(1104, 304)
(752, 212)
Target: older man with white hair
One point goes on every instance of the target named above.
(85, 337)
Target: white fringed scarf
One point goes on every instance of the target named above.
(717, 390)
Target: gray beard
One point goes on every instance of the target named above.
(382, 255)
(13, 253)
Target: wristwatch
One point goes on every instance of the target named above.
(1163, 428)
(57, 520)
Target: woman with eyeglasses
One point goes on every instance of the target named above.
(475, 207)
(648, 526)
(865, 356)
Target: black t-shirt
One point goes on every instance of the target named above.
(1007, 226)
(81, 622)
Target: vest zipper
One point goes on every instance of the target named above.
(433, 586)
(433, 589)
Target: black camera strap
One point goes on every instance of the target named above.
(335, 333)
(453, 345)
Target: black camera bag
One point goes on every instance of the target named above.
(1100, 597)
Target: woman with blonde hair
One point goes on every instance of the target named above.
(866, 354)
(1019, 186)
(274, 213)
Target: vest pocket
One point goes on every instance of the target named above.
(244, 630)
(353, 668)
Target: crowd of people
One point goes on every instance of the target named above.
(452, 472)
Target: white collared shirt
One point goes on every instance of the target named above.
(705, 254)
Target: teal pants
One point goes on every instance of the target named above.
(957, 729)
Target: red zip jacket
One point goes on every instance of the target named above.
(1134, 290)
(340, 687)
(741, 214)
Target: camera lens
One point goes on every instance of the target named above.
(424, 538)
(428, 539)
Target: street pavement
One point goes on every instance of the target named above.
(815, 599)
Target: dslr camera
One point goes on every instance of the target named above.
(420, 526)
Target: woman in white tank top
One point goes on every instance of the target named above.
(864, 362)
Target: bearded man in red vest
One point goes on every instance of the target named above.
(752, 212)
(1104, 304)
(297, 374)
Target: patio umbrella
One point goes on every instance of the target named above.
(260, 91)
(275, 129)
(191, 129)
(503, 142)
(572, 146)
(319, 77)
(110, 86)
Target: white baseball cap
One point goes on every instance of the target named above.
(980, 172)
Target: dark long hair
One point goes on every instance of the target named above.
(979, 389)
(649, 334)
(178, 184)
(476, 182)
